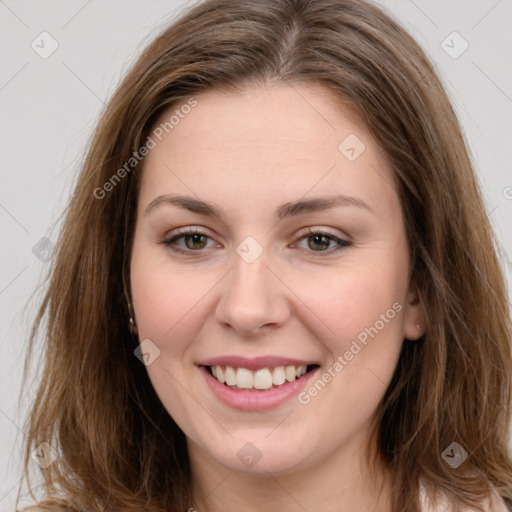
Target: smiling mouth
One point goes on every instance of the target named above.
(263, 379)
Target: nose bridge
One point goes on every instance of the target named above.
(248, 277)
(252, 297)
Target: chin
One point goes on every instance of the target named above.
(260, 458)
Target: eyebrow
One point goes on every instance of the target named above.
(291, 209)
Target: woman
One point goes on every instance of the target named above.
(276, 287)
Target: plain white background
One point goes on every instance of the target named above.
(49, 107)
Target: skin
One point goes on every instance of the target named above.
(249, 152)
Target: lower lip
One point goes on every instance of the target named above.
(256, 400)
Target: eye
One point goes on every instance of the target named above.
(190, 240)
(194, 240)
(320, 241)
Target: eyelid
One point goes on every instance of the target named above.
(318, 230)
(189, 230)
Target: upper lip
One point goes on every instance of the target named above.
(255, 363)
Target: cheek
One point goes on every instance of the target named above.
(169, 304)
(361, 308)
(160, 298)
(353, 298)
(364, 314)
(169, 311)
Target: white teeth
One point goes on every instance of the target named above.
(244, 378)
(230, 376)
(264, 378)
(279, 376)
(300, 371)
(290, 373)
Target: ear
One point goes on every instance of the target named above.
(414, 317)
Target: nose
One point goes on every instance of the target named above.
(253, 299)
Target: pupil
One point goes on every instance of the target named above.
(321, 240)
(195, 239)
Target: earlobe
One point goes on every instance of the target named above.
(133, 327)
(414, 321)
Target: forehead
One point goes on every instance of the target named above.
(307, 114)
(267, 141)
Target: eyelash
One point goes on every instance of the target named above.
(168, 242)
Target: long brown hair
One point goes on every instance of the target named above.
(118, 447)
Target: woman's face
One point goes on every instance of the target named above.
(270, 240)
